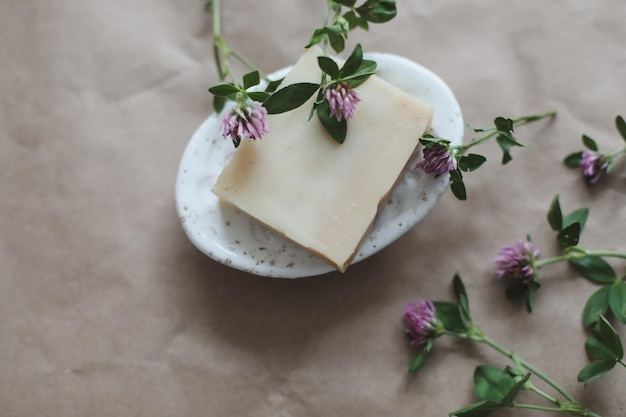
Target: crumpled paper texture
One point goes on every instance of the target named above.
(106, 308)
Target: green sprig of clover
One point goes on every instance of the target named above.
(503, 130)
(342, 16)
(354, 72)
(591, 264)
(575, 159)
(496, 388)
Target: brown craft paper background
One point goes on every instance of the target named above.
(107, 309)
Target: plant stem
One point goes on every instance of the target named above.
(222, 51)
(619, 152)
(217, 30)
(520, 121)
(529, 386)
(484, 339)
(606, 254)
(575, 253)
(326, 18)
(583, 413)
(540, 408)
(247, 63)
(476, 334)
(544, 262)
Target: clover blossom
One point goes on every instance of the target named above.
(422, 320)
(517, 261)
(342, 100)
(593, 165)
(438, 159)
(245, 120)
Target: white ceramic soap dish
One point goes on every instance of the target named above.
(234, 239)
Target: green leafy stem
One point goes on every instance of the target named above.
(602, 345)
(497, 388)
(334, 32)
(503, 131)
(590, 263)
(574, 159)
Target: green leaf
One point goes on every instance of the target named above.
(347, 3)
(486, 407)
(354, 82)
(259, 96)
(595, 370)
(336, 36)
(342, 26)
(336, 129)
(589, 143)
(617, 300)
(479, 409)
(577, 216)
(273, 85)
(503, 124)
(329, 66)
(367, 67)
(418, 361)
(491, 383)
(596, 305)
(365, 70)
(251, 79)
(595, 269)
(458, 190)
(458, 287)
(573, 160)
(223, 90)
(355, 21)
(463, 308)
(471, 162)
(608, 336)
(337, 42)
(457, 186)
(461, 295)
(317, 37)
(219, 103)
(596, 349)
(530, 295)
(620, 125)
(448, 314)
(509, 398)
(290, 97)
(570, 235)
(377, 11)
(353, 63)
(555, 215)
(506, 141)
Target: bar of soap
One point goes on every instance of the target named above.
(320, 194)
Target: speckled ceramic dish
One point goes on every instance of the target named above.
(234, 239)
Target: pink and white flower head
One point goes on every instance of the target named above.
(246, 120)
(438, 159)
(422, 320)
(517, 261)
(593, 165)
(342, 100)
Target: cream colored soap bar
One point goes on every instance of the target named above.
(318, 193)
